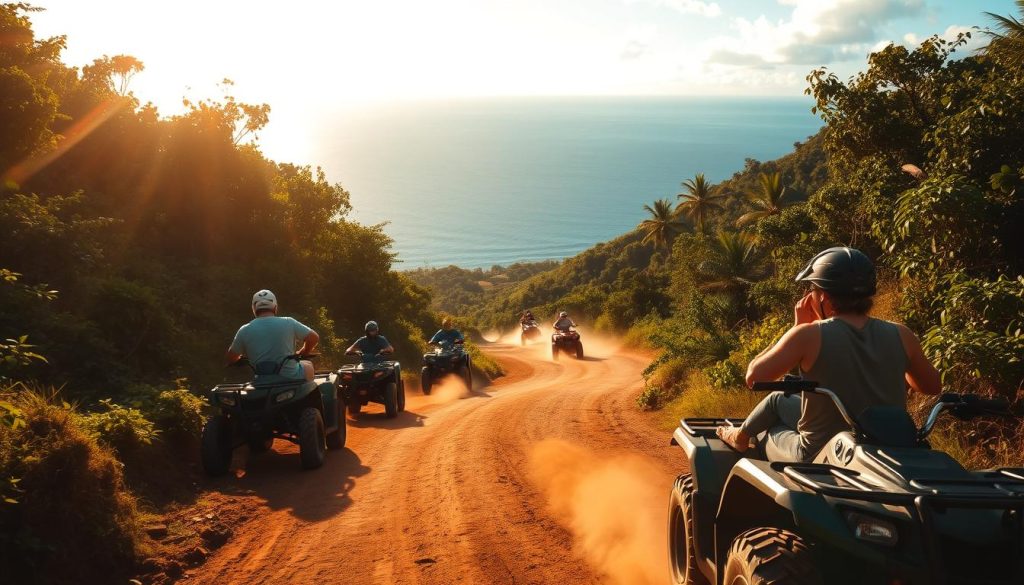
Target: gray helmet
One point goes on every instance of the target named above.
(841, 271)
(563, 315)
(371, 326)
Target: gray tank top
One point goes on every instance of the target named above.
(863, 367)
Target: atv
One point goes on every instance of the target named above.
(567, 340)
(271, 407)
(876, 505)
(451, 358)
(531, 331)
(374, 379)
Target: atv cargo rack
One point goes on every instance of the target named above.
(997, 490)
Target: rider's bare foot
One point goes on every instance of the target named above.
(734, 437)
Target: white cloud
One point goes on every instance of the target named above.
(708, 9)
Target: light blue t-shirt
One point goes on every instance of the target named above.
(271, 339)
(446, 338)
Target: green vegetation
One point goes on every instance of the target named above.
(132, 243)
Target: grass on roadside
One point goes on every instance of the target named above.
(698, 398)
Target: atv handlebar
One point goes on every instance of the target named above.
(964, 407)
(791, 385)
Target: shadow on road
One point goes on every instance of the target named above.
(379, 420)
(278, 478)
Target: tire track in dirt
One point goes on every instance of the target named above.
(443, 493)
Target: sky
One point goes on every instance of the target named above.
(306, 58)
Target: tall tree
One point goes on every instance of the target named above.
(1008, 38)
(734, 263)
(662, 224)
(766, 200)
(698, 201)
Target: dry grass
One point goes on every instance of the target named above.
(698, 398)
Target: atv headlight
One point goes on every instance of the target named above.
(227, 400)
(872, 529)
(284, 396)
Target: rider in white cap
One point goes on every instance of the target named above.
(271, 338)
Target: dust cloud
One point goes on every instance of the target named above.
(613, 505)
(443, 391)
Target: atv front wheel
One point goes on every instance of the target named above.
(770, 555)
(312, 443)
(680, 534)
(401, 397)
(391, 400)
(467, 376)
(579, 350)
(336, 438)
(425, 381)
(215, 445)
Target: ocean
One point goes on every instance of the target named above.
(482, 182)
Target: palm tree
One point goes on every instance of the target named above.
(734, 263)
(1008, 42)
(766, 201)
(662, 224)
(698, 201)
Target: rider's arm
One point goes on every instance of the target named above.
(353, 349)
(921, 374)
(793, 350)
(309, 343)
(233, 357)
(434, 339)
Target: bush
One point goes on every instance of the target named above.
(979, 343)
(178, 412)
(75, 521)
(724, 374)
(125, 429)
(649, 398)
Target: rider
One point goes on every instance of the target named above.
(272, 338)
(526, 317)
(863, 360)
(370, 345)
(447, 335)
(564, 322)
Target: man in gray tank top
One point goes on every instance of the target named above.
(865, 361)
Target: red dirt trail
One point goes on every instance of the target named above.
(551, 475)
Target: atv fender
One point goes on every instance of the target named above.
(329, 398)
(757, 494)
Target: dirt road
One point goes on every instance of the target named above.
(471, 489)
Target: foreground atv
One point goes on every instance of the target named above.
(876, 505)
(273, 407)
(531, 332)
(373, 380)
(446, 359)
(567, 341)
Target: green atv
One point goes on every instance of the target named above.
(451, 358)
(271, 407)
(876, 505)
(374, 379)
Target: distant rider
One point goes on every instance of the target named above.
(371, 345)
(527, 318)
(863, 360)
(447, 336)
(269, 338)
(564, 323)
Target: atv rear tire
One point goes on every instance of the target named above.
(312, 443)
(467, 376)
(260, 445)
(554, 352)
(354, 406)
(401, 397)
(336, 438)
(579, 350)
(391, 400)
(682, 558)
(425, 381)
(215, 445)
(770, 555)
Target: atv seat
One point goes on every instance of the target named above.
(888, 426)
